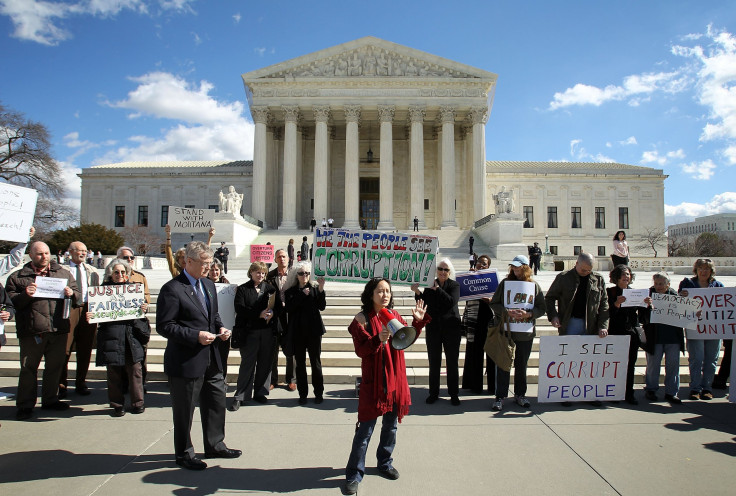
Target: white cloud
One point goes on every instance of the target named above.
(631, 140)
(685, 212)
(197, 39)
(653, 156)
(699, 170)
(260, 51)
(730, 154)
(579, 153)
(237, 18)
(72, 183)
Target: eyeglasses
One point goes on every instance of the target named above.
(121, 272)
(706, 260)
(128, 257)
(303, 273)
(443, 269)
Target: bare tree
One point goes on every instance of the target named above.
(678, 245)
(710, 244)
(654, 238)
(142, 239)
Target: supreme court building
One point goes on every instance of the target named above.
(372, 133)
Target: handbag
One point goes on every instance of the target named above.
(499, 345)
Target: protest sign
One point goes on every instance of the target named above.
(732, 386)
(358, 256)
(49, 287)
(17, 209)
(634, 297)
(582, 368)
(674, 310)
(261, 253)
(190, 220)
(718, 316)
(116, 302)
(520, 294)
(226, 304)
(478, 284)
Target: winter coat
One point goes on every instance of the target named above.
(562, 292)
(112, 338)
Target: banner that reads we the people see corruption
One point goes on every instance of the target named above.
(358, 256)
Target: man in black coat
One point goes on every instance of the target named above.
(222, 254)
(277, 279)
(187, 316)
(305, 249)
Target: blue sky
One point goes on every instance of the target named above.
(645, 83)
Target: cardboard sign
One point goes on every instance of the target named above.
(582, 368)
(49, 287)
(635, 297)
(17, 209)
(718, 316)
(478, 284)
(190, 220)
(359, 256)
(116, 302)
(520, 294)
(261, 253)
(732, 386)
(674, 310)
(226, 304)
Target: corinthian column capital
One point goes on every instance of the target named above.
(386, 113)
(260, 114)
(478, 115)
(352, 113)
(291, 113)
(321, 113)
(417, 113)
(447, 114)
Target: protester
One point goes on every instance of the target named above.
(385, 389)
(126, 253)
(304, 302)
(42, 329)
(702, 354)
(16, 255)
(519, 270)
(443, 331)
(177, 261)
(278, 279)
(215, 273)
(477, 332)
(120, 348)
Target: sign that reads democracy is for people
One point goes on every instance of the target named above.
(261, 253)
(582, 368)
(718, 313)
(116, 302)
(190, 220)
(358, 256)
(478, 284)
(674, 310)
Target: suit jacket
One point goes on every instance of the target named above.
(93, 279)
(179, 318)
(442, 306)
(249, 304)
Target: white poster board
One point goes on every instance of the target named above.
(582, 368)
(17, 209)
(732, 386)
(226, 304)
(718, 315)
(190, 220)
(49, 287)
(635, 297)
(674, 310)
(520, 294)
(116, 302)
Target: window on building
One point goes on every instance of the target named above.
(623, 217)
(551, 217)
(576, 250)
(426, 204)
(119, 216)
(576, 215)
(600, 217)
(143, 215)
(189, 206)
(311, 204)
(216, 208)
(529, 217)
(601, 251)
(164, 215)
(553, 250)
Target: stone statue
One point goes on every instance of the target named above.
(223, 202)
(504, 201)
(232, 201)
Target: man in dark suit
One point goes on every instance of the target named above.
(277, 279)
(187, 316)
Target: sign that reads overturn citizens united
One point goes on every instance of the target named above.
(358, 256)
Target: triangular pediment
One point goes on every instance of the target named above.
(368, 57)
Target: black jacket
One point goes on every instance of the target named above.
(249, 304)
(442, 306)
(304, 311)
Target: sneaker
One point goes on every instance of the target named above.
(497, 405)
(673, 399)
(522, 401)
(694, 395)
(706, 395)
(389, 473)
(651, 396)
(351, 487)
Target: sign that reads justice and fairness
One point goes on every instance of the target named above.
(190, 220)
(582, 368)
(116, 302)
(358, 256)
(718, 313)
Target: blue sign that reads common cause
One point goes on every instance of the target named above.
(478, 284)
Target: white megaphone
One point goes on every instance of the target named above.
(402, 336)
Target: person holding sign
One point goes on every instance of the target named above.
(624, 321)
(42, 330)
(384, 391)
(663, 340)
(443, 331)
(120, 348)
(512, 305)
(178, 261)
(304, 302)
(702, 354)
(16, 255)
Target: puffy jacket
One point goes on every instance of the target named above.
(562, 292)
(38, 315)
(112, 336)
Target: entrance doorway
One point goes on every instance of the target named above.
(369, 202)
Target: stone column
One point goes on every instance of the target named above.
(352, 168)
(321, 116)
(416, 174)
(386, 217)
(447, 117)
(258, 208)
(478, 116)
(291, 116)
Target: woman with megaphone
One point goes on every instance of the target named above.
(384, 390)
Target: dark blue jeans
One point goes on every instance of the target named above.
(355, 469)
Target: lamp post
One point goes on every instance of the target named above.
(546, 244)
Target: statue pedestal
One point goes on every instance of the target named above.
(236, 232)
(503, 235)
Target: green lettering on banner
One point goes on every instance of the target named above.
(332, 263)
(319, 254)
(365, 269)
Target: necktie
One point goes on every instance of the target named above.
(79, 278)
(201, 296)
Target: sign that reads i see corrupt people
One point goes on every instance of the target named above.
(478, 284)
(17, 209)
(116, 302)
(582, 368)
(358, 256)
(190, 220)
(718, 316)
